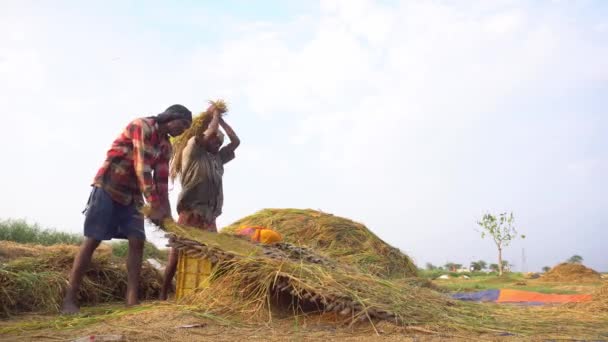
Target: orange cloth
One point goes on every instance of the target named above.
(518, 296)
(261, 234)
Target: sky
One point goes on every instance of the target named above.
(412, 117)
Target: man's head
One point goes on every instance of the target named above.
(213, 144)
(175, 119)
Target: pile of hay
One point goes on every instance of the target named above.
(253, 283)
(599, 302)
(338, 238)
(36, 282)
(256, 281)
(249, 285)
(571, 272)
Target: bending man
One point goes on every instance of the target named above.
(137, 164)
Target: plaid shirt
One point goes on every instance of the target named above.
(127, 172)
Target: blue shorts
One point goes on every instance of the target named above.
(107, 219)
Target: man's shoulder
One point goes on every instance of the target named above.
(144, 122)
(147, 126)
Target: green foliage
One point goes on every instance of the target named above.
(494, 267)
(430, 274)
(502, 230)
(575, 259)
(430, 266)
(436, 273)
(478, 265)
(546, 269)
(121, 249)
(22, 232)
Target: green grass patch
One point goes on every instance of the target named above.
(493, 282)
(433, 274)
(22, 232)
(92, 315)
(121, 249)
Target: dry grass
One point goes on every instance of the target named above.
(163, 321)
(250, 286)
(340, 239)
(37, 283)
(249, 277)
(12, 250)
(257, 289)
(599, 304)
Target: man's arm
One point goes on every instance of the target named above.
(234, 139)
(161, 178)
(211, 130)
(140, 136)
(227, 152)
(186, 155)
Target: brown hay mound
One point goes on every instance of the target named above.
(37, 283)
(340, 239)
(12, 250)
(570, 272)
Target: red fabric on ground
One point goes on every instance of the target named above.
(518, 296)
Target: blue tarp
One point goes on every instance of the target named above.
(481, 296)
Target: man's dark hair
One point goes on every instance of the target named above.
(174, 112)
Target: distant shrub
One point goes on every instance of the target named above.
(22, 232)
(121, 249)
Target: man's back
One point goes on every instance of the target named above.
(139, 149)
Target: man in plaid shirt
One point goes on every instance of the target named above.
(136, 168)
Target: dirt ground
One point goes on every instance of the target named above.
(169, 322)
(166, 321)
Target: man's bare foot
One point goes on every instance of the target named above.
(69, 307)
(135, 303)
(132, 298)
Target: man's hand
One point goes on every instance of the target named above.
(211, 109)
(214, 110)
(158, 214)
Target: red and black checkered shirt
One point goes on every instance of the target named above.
(136, 164)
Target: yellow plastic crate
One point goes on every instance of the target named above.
(192, 273)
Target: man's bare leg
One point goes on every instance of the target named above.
(81, 262)
(169, 273)
(134, 260)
